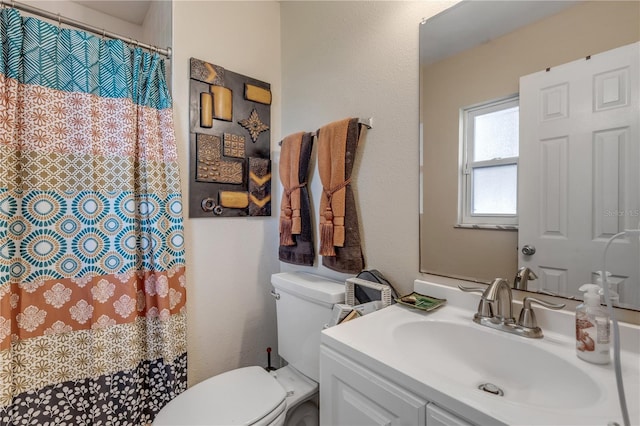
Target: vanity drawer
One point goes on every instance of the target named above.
(436, 416)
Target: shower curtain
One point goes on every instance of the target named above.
(92, 284)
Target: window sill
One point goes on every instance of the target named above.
(487, 226)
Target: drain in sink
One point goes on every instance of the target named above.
(491, 388)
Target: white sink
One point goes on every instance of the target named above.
(471, 355)
(443, 356)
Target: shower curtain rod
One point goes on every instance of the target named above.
(86, 27)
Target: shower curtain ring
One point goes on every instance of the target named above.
(59, 21)
(103, 33)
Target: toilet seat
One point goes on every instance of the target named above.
(245, 396)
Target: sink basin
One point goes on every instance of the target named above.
(470, 356)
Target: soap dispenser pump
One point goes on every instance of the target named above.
(592, 327)
(613, 292)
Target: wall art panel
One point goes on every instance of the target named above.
(230, 142)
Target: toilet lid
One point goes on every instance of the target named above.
(237, 397)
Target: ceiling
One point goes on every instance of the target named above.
(133, 11)
(472, 22)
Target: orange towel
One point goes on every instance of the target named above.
(332, 142)
(290, 223)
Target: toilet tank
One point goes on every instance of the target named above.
(304, 306)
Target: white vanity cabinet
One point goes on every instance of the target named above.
(436, 416)
(402, 366)
(351, 395)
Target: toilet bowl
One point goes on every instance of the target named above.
(253, 396)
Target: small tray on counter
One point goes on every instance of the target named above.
(420, 301)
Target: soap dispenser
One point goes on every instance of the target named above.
(592, 327)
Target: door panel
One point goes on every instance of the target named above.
(352, 395)
(579, 182)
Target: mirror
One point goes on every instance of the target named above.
(476, 52)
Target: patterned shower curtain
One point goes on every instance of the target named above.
(92, 284)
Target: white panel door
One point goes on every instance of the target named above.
(578, 172)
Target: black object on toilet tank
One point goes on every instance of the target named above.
(269, 367)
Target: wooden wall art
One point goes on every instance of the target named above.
(230, 141)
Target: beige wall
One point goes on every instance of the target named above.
(231, 315)
(156, 27)
(360, 59)
(329, 67)
(156, 30)
(488, 72)
(83, 14)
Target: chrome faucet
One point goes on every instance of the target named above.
(499, 294)
(495, 310)
(521, 280)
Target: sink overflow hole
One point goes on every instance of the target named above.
(491, 388)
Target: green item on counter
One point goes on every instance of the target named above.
(420, 301)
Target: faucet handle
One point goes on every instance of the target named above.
(522, 278)
(526, 302)
(526, 271)
(480, 290)
(528, 317)
(484, 307)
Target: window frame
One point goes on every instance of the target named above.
(465, 173)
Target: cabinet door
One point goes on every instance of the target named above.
(436, 416)
(353, 395)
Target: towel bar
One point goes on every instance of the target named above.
(367, 122)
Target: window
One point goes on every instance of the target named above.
(489, 169)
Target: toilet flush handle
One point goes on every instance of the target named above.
(276, 295)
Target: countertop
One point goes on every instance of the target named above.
(371, 341)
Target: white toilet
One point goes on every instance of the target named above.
(253, 396)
